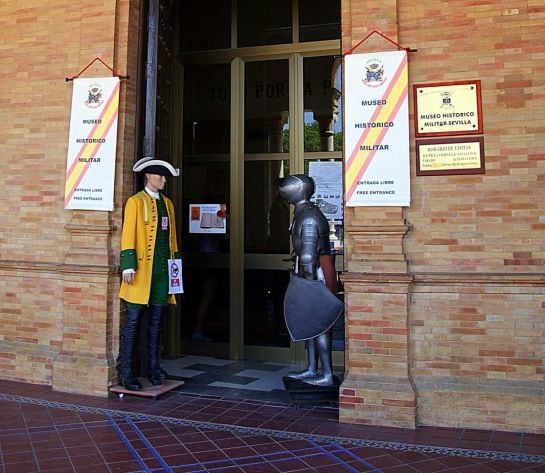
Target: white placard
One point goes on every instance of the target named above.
(175, 281)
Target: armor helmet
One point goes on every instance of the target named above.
(296, 188)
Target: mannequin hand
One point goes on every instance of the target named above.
(128, 278)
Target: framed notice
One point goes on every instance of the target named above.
(450, 156)
(448, 109)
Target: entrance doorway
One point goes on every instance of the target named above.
(255, 94)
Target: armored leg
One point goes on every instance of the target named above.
(322, 345)
(312, 369)
(127, 377)
(155, 317)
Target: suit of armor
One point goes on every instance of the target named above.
(310, 240)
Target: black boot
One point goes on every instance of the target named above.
(128, 339)
(155, 317)
(162, 372)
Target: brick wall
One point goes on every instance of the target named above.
(477, 351)
(472, 324)
(445, 299)
(59, 314)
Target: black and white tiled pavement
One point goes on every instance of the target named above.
(183, 431)
(229, 378)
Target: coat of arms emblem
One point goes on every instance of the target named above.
(374, 74)
(94, 96)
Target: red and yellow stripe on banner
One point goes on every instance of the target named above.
(78, 169)
(359, 160)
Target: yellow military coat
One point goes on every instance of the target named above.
(138, 243)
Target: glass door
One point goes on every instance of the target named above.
(250, 80)
(206, 192)
(266, 216)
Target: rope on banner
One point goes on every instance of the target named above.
(68, 79)
(408, 50)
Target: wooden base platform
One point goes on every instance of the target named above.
(148, 390)
(303, 393)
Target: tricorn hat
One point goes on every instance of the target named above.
(155, 166)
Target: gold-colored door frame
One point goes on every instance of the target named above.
(236, 250)
(238, 261)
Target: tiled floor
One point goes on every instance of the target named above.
(184, 431)
(233, 379)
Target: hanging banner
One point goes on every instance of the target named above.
(90, 166)
(377, 167)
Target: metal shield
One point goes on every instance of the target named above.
(310, 308)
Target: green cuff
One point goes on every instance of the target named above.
(128, 260)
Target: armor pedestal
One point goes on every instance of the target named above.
(300, 392)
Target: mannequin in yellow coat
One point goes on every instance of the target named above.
(148, 240)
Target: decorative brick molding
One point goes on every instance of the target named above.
(376, 249)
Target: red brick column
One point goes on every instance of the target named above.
(88, 273)
(86, 360)
(377, 388)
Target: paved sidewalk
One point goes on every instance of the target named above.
(42, 430)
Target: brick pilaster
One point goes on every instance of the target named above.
(377, 388)
(86, 361)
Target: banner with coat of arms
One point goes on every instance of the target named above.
(377, 158)
(90, 167)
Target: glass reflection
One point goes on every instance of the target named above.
(205, 305)
(323, 128)
(267, 216)
(261, 23)
(264, 308)
(266, 106)
(206, 180)
(215, 14)
(319, 20)
(206, 105)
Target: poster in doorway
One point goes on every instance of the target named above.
(207, 218)
(329, 188)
